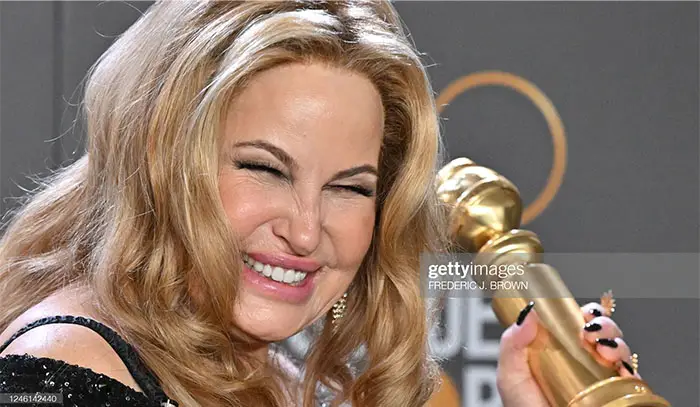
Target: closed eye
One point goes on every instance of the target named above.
(357, 189)
(256, 166)
(259, 166)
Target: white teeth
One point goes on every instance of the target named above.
(289, 276)
(278, 274)
(267, 270)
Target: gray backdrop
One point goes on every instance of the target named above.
(623, 76)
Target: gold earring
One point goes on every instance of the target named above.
(339, 310)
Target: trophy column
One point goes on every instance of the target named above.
(485, 216)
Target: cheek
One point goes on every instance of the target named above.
(352, 235)
(246, 204)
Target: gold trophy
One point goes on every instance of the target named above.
(486, 211)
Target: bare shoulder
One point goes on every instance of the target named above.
(71, 343)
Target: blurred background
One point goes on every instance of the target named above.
(623, 77)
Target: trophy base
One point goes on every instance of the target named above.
(619, 392)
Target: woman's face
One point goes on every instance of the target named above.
(298, 182)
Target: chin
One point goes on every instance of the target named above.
(269, 323)
(272, 332)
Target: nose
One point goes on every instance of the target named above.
(301, 227)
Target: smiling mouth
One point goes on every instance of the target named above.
(275, 273)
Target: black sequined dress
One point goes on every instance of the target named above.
(26, 380)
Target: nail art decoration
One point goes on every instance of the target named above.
(524, 312)
(607, 342)
(628, 367)
(592, 327)
(608, 302)
(596, 313)
(635, 361)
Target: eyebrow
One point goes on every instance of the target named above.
(287, 160)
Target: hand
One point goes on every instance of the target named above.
(516, 384)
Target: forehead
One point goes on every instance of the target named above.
(309, 106)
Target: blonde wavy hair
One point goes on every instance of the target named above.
(138, 218)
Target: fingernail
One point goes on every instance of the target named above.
(524, 312)
(596, 312)
(592, 327)
(628, 367)
(607, 342)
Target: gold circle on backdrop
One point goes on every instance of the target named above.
(546, 107)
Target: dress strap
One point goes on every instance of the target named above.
(141, 374)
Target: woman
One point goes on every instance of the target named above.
(251, 168)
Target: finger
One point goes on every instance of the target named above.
(613, 349)
(513, 355)
(514, 380)
(601, 327)
(592, 310)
